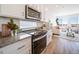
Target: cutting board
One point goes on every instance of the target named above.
(5, 30)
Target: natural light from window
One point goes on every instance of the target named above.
(27, 24)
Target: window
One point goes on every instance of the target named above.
(27, 24)
(69, 20)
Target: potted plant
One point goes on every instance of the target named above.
(13, 27)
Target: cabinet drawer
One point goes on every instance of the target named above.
(25, 50)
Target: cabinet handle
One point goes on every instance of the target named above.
(21, 47)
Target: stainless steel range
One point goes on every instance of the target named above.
(38, 41)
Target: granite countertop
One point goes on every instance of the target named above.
(4, 41)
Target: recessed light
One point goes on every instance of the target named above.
(57, 6)
(46, 9)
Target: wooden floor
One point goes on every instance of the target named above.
(62, 46)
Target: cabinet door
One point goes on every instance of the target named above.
(25, 50)
(20, 47)
(1, 52)
(49, 36)
(13, 10)
(12, 48)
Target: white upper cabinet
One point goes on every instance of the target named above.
(13, 10)
(16, 10)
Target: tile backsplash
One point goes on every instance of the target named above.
(20, 23)
(27, 24)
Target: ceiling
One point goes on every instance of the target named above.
(61, 9)
(50, 11)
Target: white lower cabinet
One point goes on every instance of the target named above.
(25, 50)
(49, 36)
(1, 52)
(20, 47)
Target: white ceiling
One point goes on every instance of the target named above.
(50, 11)
(61, 9)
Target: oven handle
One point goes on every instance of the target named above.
(39, 38)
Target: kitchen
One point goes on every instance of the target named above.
(32, 32)
(39, 28)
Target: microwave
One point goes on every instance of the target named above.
(31, 13)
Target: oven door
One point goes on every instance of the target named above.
(39, 45)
